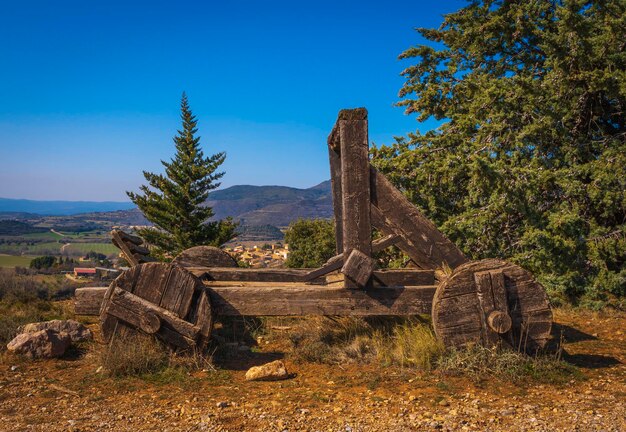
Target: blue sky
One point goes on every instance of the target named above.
(90, 90)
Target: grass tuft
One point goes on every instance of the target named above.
(478, 362)
(390, 341)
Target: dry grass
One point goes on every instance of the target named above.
(390, 341)
(134, 354)
(478, 362)
(143, 356)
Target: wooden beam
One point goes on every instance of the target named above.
(249, 274)
(336, 262)
(358, 268)
(403, 277)
(319, 300)
(380, 223)
(429, 247)
(355, 184)
(308, 300)
(119, 242)
(87, 300)
(335, 184)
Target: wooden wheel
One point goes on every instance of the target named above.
(492, 302)
(160, 299)
(204, 256)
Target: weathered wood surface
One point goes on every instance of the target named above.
(355, 185)
(249, 274)
(87, 300)
(458, 317)
(492, 299)
(335, 185)
(132, 259)
(320, 300)
(131, 248)
(166, 291)
(336, 262)
(309, 300)
(204, 256)
(358, 268)
(431, 249)
(389, 277)
(403, 277)
(381, 224)
(128, 238)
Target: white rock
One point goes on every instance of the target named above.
(272, 371)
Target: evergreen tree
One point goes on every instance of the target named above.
(176, 202)
(528, 161)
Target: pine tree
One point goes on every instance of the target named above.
(176, 202)
(528, 161)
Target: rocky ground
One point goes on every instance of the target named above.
(74, 394)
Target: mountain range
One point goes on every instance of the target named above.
(251, 205)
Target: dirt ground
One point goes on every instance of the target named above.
(73, 394)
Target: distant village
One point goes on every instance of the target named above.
(267, 255)
(255, 256)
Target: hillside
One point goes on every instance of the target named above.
(260, 209)
(272, 205)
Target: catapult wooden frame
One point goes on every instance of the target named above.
(489, 301)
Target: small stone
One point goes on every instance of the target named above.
(14, 368)
(272, 371)
(443, 402)
(222, 404)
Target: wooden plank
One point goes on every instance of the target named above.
(249, 274)
(129, 308)
(87, 300)
(335, 185)
(204, 256)
(358, 268)
(178, 292)
(152, 282)
(355, 185)
(204, 319)
(486, 303)
(403, 277)
(317, 300)
(336, 262)
(380, 223)
(432, 247)
(128, 238)
(137, 249)
(118, 242)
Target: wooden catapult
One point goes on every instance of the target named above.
(488, 302)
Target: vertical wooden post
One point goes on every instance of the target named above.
(355, 184)
(335, 184)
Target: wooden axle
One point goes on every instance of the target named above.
(274, 300)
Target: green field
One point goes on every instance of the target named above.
(46, 248)
(84, 248)
(15, 261)
(48, 235)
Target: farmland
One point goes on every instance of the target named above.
(14, 261)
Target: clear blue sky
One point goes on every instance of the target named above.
(90, 90)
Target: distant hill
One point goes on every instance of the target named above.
(58, 208)
(258, 206)
(272, 205)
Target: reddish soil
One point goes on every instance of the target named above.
(71, 394)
